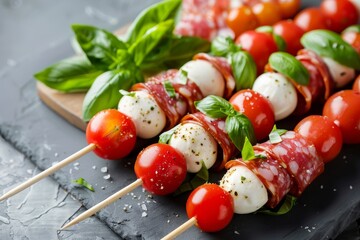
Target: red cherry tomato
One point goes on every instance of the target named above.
(289, 8)
(161, 168)
(356, 86)
(212, 207)
(241, 19)
(339, 14)
(260, 46)
(344, 109)
(353, 38)
(113, 133)
(267, 13)
(323, 133)
(291, 33)
(310, 19)
(257, 108)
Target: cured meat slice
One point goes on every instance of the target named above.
(216, 127)
(295, 154)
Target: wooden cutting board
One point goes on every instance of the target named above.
(68, 105)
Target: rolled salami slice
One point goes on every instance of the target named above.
(275, 178)
(222, 65)
(298, 156)
(216, 127)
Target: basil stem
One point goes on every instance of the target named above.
(73, 74)
(329, 44)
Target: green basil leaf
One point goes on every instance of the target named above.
(280, 42)
(100, 46)
(82, 182)
(274, 137)
(165, 136)
(222, 46)
(289, 66)
(329, 44)
(353, 28)
(194, 180)
(244, 69)
(183, 76)
(169, 89)
(287, 204)
(215, 107)
(104, 93)
(247, 152)
(74, 74)
(239, 127)
(265, 29)
(150, 17)
(126, 93)
(146, 43)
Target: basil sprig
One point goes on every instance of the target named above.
(242, 64)
(329, 44)
(75, 74)
(237, 125)
(289, 66)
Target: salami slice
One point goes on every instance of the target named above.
(274, 177)
(222, 65)
(298, 157)
(216, 127)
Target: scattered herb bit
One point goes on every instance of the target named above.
(183, 76)
(275, 135)
(82, 182)
(169, 89)
(287, 204)
(126, 93)
(165, 136)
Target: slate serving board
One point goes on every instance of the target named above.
(326, 208)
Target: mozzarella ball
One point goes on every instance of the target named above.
(341, 74)
(142, 108)
(248, 192)
(209, 80)
(196, 144)
(279, 91)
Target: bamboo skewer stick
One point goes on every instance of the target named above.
(182, 228)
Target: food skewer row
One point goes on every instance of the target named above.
(111, 134)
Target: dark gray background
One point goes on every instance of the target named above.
(35, 34)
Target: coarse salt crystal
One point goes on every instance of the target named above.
(94, 167)
(104, 169)
(144, 214)
(107, 176)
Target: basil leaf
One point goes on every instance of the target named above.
(239, 127)
(329, 44)
(183, 76)
(194, 180)
(150, 40)
(169, 89)
(244, 69)
(165, 136)
(215, 107)
(100, 46)
(74, 74)
(280, 42)
(353, 28)
(150, 17)
(289, 66)
(84, 183)
(222, 46)
(126, 93)
(104, 93)
(247, 152)
(283, 208)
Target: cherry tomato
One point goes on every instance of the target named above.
(257, 108)
(323, 133)
(267, 13)
(260, 46)
(241, 19)
(212, 206)
(161, 168)
(356, 85)
(353, 38)
(344, 109)
(289, 8)
(339, 14)
(113, 133)
(310, 19)
(291, 33)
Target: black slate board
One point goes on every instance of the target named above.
(326, 208)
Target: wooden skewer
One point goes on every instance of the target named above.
(104, 203)
(48, 171)
(182, 228)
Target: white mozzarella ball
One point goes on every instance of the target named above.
(341, 74)
(279, 91)
(248, 192)
(209, 80)
(142, 108)
(196, 144)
